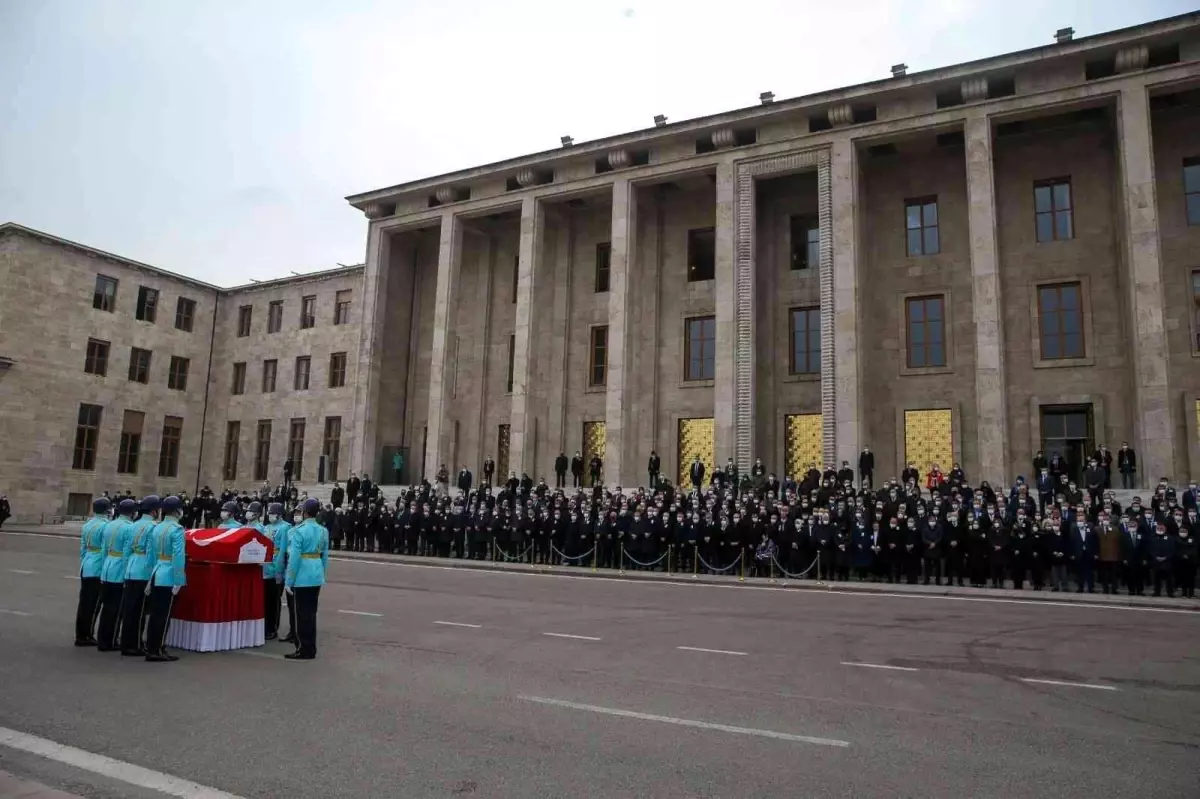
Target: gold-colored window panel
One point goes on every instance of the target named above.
(594, 435)
(695, 439)
(803, 445)
(929, 439)
(502, 438)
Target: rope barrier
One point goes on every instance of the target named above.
(508, 557)
(639, 563)
(565, 556)
(786, 573)
(711, 568)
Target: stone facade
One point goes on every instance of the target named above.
(473, 320)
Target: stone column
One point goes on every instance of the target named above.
(1153, 426)
(564, 257)
(441, 369)
(521, 443)
(991, 406)
(734, 368)
(842, 401)
(364, 423)
(482, 348)
(619, 428)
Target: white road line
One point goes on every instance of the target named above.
(22, 571)
(1070, 684)
(15, 612)
(703, 725)
(70, 576)
(257, 654)
(361, 613)
(568, 635)
(711, 651)
(879, 666)
(458, 624)
(108, 767)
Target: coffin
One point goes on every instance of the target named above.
(238, 545)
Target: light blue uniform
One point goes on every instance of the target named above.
(307, 555)
(91, 546)
(278, 533)
(232, 524)
(167, 554)
(116, 535)
(137, 563)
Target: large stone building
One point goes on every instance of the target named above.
(964, 264)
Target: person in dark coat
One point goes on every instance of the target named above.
(1162, 560)
(1083, 552)
(866, 467)
(595, 468)
(696, 473)
(337, 496)
(931, 547)
(577, 470)
(653, 469)
(1127, 465)
(465, 478)
(560, 470)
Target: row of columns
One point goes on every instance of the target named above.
(842, 400)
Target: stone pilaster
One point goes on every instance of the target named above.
(620, 431)
(845, 403)
(564, 257)
(482, 348)
(991, 406)
(1152, 410)
(364, 424)
(522, 442)
(440, 428)
(732, 371)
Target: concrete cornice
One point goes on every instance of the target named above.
(783, 108)
(12, 228)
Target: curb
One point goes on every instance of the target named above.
(860, 589)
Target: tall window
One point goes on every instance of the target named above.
(87, 433)
(1060, 319)
(270, 369)
(177, 375)
(233, 435)
(131, 442)
(921, 221)
(296, 445)
(303, 367)
(603, 265)
(516, 274)
(96, 362)
(168, 451)
(147, 304)
(1196, 309)
(332, 445)
(700, 348)
(105, 296)
(308, 312)
(1052, 209)
(806, 341)
(512, 359)
(139, 365)
(244, 315)
(925, 320)
(239, 378)
(262, 450)
(185, 313)
(341, 307)
(806, 242)
(701, 254)
(1191, 189)
(275, 316)
(337, 370)
(598, 362)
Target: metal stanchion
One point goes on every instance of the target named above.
(742, 568)
(670, 549)
(695, 563)
(493, 549)
(621, 566)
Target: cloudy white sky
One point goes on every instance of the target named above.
(217, 138)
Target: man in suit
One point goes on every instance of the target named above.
(560, 470)
(696, 473)
(653, 468)
(1083, 551)
(464, 480)
(577, 470)
(866, 466)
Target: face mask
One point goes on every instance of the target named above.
(251, 517)
(272, 517)
(224, 515)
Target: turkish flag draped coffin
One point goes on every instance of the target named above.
(222, 606)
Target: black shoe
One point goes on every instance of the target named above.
(157, 659)
(298, 656)
(85, 642)
(291, 639)
(271, 636)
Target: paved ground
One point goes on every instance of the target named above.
(979, 698)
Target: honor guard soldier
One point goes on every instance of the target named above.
(137, 573)
(228, 516)
(307, 560)
(277, 530)
(91, 562)
(112, 575)
(168, 557)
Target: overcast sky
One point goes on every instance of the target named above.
(218, 138)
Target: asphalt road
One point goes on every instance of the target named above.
(462, 683)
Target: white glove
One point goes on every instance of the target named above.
(175, 590)
(288, 590)
(148, 586)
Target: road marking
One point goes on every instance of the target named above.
(711, 651)
(257, 654)
(15, 612)
(879, 666)
(703, 725)
(568, 635)
(108, 767)
(361, 613)
(22, 571)
(1070, 684)
(458, 624)
(70, 576)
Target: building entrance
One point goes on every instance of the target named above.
(1067, 431)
